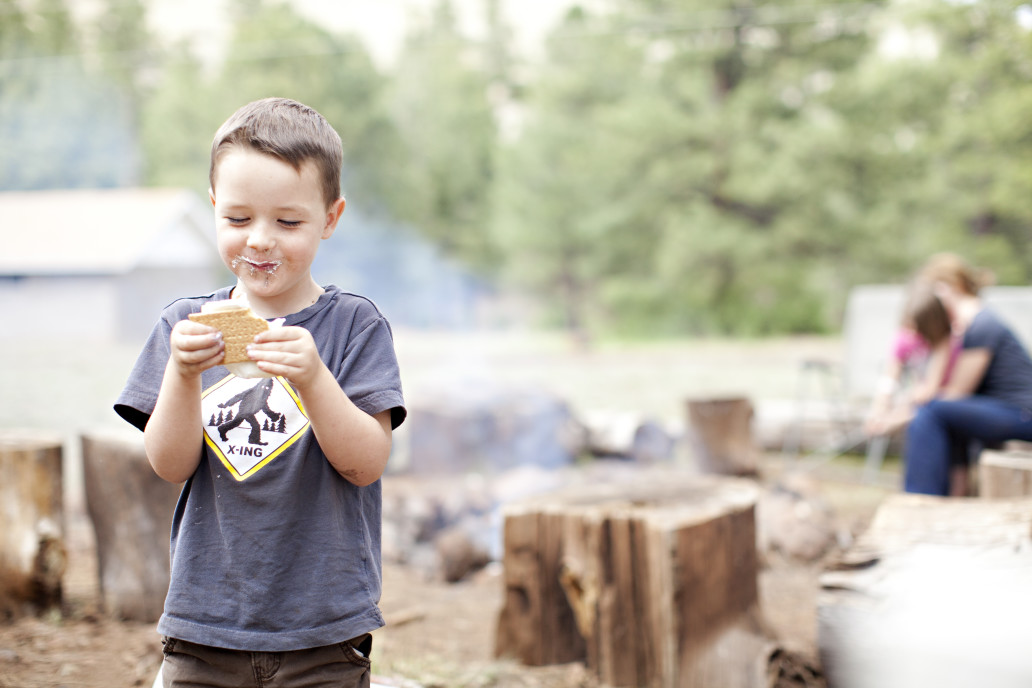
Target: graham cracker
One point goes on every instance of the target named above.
(238, 327)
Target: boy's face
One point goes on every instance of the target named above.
(269, 220)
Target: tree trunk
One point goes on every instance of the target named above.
(650, 583)
(720, 432)
(32, 550)
(934, 593)
(131, 509)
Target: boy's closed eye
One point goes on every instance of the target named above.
(245, 220)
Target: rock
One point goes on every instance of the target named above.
(458, 554)
(628, 436)
(795, 524)
(488, 429)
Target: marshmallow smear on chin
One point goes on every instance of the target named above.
(248, 369)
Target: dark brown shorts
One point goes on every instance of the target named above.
(344, 665)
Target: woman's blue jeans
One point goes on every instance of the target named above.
(941, 431)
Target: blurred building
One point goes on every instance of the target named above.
(100, 264)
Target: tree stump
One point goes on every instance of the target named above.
(934, 593)
(650, 583)
(721, 437)
(32, 550)
(1005, 474)
(131, 510)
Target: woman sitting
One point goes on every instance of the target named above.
(988, 398)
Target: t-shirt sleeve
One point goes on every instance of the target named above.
(370, 375)
(984, 332)
(137, 399)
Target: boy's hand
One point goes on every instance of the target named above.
(195, 347)
(288, 352)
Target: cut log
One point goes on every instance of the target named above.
(131, 510)
(32, 545)
(536, 624)
(1005, 474)
(934, 593)
(650, 583)
(721, 435)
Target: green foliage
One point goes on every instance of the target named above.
(176, 127)
(123, 44)
(275, 51)
(562, 220)
(675, 177)
(665, 167)
(775, 155)
(445, 169)
(61, 125)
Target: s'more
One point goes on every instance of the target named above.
(239, 325)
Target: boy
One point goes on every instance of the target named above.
(276, 538)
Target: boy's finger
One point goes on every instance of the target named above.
(201, 342)
(277, 334)
(207, 348)
(205, 339)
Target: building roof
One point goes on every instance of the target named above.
(103, 231)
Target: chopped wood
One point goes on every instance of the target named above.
(650, 583)
(720, 432)
(1005, 474)
(131, 511)
(32, 542)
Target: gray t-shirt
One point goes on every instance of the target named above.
(1009, 375)
(272, 550)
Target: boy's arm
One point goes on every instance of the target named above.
(356, 444)
(174, 434)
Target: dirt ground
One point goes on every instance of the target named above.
(437, 634)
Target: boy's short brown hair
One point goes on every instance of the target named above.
(287, 130)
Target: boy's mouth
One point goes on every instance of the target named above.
(256, 266)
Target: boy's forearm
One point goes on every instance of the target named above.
(173, 438)
(356, 444)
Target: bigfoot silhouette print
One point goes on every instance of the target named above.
(251, 401)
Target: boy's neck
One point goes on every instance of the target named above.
(281, 305)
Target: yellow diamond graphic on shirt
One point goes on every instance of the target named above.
(249, 422)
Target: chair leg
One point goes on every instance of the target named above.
(876, 448)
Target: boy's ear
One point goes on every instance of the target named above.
(211, 196)
(333, 217)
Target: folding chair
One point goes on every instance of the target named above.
(844, 390)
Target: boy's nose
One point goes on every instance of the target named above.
(260, 238)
